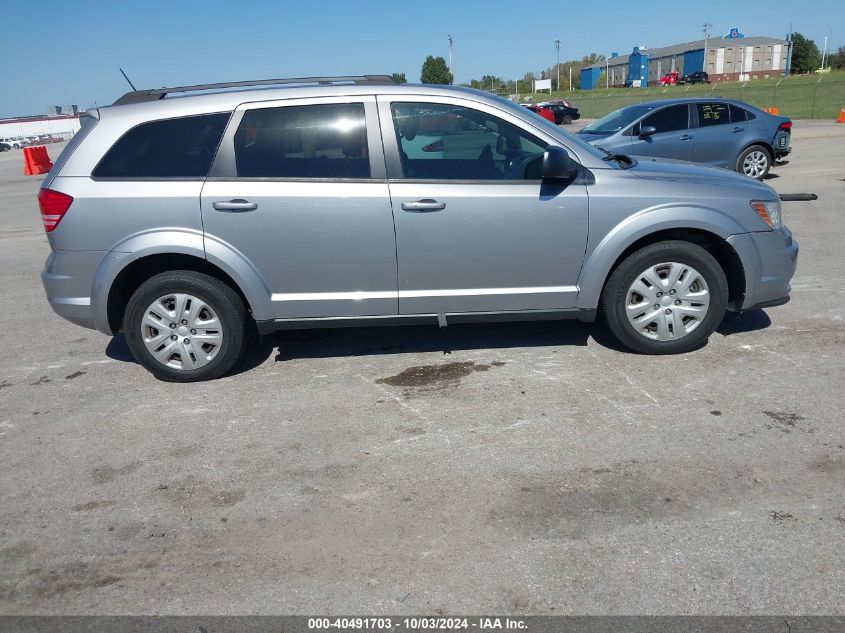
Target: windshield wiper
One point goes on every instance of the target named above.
(625, 162)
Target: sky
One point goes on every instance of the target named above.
(60, 52)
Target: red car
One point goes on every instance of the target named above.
(668, 79)
(543, 112)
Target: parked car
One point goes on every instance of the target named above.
(669, 79)
(4, 147)
(716, 132)
(546, 113)
(565, 113)
(698, 77)
(14, 143)
(316, 210)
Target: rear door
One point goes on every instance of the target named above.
(715, 136)
(673, 138)
(477, 230)
(299, 190)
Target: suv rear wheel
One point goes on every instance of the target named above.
(184, 326)
(666, 298)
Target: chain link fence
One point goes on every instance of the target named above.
(819, 99)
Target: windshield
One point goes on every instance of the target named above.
(617, 120)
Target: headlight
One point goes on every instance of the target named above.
(769, 211)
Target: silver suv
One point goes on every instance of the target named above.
(338, 201)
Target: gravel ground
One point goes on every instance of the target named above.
(513, 468)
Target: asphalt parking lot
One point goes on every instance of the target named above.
(511, 468)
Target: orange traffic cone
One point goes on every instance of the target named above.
(841, 117)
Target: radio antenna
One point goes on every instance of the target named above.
(127, 79)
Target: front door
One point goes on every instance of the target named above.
(673, 139)
(299, 190)
(477, 230)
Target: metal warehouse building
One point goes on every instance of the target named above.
(728, 59)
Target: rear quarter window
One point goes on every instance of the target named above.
(170, 148)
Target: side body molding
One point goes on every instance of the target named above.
(601, 256)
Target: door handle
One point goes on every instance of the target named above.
(685, 137)
(423, 206)
(238, 205)
(737, 129)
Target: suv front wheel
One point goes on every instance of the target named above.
(666, 298)
(185, 326)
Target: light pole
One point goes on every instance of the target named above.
(706, 28)
(557, 46)
(451, 61)
(607, 72)
(824, 52)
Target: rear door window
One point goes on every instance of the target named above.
(310, 141)
(739, 115)
(712, 114)
(668, 119)
(169, 148)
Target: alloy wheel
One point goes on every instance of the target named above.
(755, 164)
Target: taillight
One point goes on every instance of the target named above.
(787, 125)
(53, 205)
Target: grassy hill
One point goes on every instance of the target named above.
(799, 96)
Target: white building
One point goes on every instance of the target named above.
(63, 125)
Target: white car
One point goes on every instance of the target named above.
(14, 143)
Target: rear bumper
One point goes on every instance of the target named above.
(781, 142)
(67, 278)
(769, 259)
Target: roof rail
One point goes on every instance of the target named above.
(140, 96)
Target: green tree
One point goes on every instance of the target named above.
(435, 71)
(399, 78)
(837, 59)
(805, 54)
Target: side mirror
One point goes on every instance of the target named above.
(557, 165)
(647, 131)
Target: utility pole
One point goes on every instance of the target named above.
(788, 52)
(706, 28)
(607, 72)
(557, 46)
(451, 59)
(570, 79)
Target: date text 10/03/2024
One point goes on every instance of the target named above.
(417, 623)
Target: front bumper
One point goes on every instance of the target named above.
(769, 259)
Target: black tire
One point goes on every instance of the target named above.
(567, 120)
(614, 296)
(222, 299)
(744, 154)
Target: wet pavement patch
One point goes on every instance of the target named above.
(436, 376)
